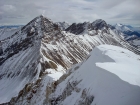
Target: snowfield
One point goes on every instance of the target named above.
(111, 75)
(126, 64)
(7, 32)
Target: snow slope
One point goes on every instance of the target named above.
(7, 32)
(110, 76)
(122, 59)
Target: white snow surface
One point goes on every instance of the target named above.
(126, 64)
(111, 74)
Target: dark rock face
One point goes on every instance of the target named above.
(80, 28)
(62, 25)
(1, 52)
(77, 28)
(99, 24)
(111, 27)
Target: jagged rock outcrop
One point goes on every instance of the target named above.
(63, 25)
(87, 27)
(78, 28)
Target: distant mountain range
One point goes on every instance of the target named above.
(131, 34)
(127, 29)
(10, 26)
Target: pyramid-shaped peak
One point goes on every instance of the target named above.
(41, 18)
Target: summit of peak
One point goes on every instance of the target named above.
(99, 24)
(41, 17)
(99, 20)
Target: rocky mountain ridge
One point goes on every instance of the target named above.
(33, 56)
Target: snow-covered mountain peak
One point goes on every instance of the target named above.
(99, 24)
(41, 17)
(122, 27)
(40, 53)
(99, 21)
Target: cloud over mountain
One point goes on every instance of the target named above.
(120, 11)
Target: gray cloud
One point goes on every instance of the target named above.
(21, 12)
(109, 4)
(87, 8)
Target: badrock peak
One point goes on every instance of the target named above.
(82, 28)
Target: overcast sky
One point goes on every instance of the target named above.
(112, 11)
